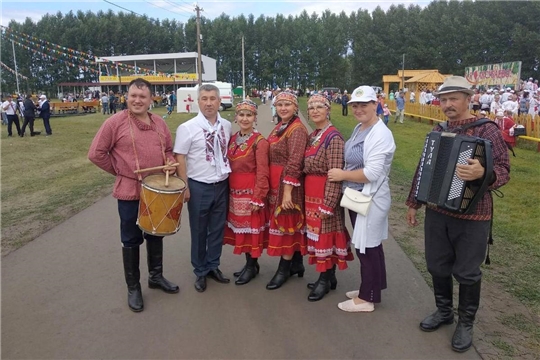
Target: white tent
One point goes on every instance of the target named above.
(187, 100)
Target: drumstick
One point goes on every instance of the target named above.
(154, 168)
(166, 179)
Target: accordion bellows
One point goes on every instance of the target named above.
(437, 183)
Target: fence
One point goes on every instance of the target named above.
(434, 113)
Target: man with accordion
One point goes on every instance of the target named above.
(464, 159)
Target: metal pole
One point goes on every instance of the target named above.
(403, 73)
(199, 38)
(243, 72)
(15, 63)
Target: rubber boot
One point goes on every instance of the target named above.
(443, 290)
(469, 300)
(322, 288)
(332, 277)
(249, 272)
(156, 280)
(257, 266)
(130, 256)
(282, 274)
(297, 265)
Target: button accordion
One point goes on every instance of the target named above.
(437, 182)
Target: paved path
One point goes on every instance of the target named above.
(64, 297)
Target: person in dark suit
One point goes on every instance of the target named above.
(45, 113)
(29, 114)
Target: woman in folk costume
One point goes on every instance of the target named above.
(248, 188)
(286, 198)
(506, 123)
(327, 238)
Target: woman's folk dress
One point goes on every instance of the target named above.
(248, 185)
(327, 239)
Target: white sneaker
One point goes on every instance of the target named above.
(350, 306)
(352, 294)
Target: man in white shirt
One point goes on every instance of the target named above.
(505, 96)
(485, 101)
(10, 108)
(511, 105)
(412, 97)
(201, 151)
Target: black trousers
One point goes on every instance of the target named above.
(28, 121)
(455, 247)
(345, 110)
(13, 119)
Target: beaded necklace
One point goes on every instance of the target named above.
(241, 139)
(315, 140)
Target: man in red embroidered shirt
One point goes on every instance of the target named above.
(135, 139)
(456, 244)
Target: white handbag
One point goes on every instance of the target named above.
(356, 201)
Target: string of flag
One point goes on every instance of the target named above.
(13, 71)
(69, 53)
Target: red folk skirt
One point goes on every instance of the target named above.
(245, 230)
(288, 235)
(327, 239)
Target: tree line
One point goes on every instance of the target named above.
(307, 50)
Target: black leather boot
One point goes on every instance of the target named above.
(249, 272)
(133, 275)
(257, 266)
(297, 265)
(156, 280)
(322, 288)
(469, 300)
(282, 274)
(332, 277)
(443, 289)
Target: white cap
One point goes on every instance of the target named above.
(363, 94)
(42, 97)
(508, 89)
(500, 112)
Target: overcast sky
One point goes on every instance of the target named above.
(181, 10)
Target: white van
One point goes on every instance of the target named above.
(226, 93)
(187, 97)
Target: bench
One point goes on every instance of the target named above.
(90, 106)
(67, 107)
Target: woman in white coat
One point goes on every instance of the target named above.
(368, 157)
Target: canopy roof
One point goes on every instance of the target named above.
(428, 77)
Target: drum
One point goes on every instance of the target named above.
(160, 206)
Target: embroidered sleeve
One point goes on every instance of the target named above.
(335, 159)
(262, 173)
(296, 146)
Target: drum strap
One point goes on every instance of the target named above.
(135, 148)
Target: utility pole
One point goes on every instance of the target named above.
(403, 73)
(16, 70)
(199, 38)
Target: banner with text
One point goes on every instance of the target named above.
(502, 74)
